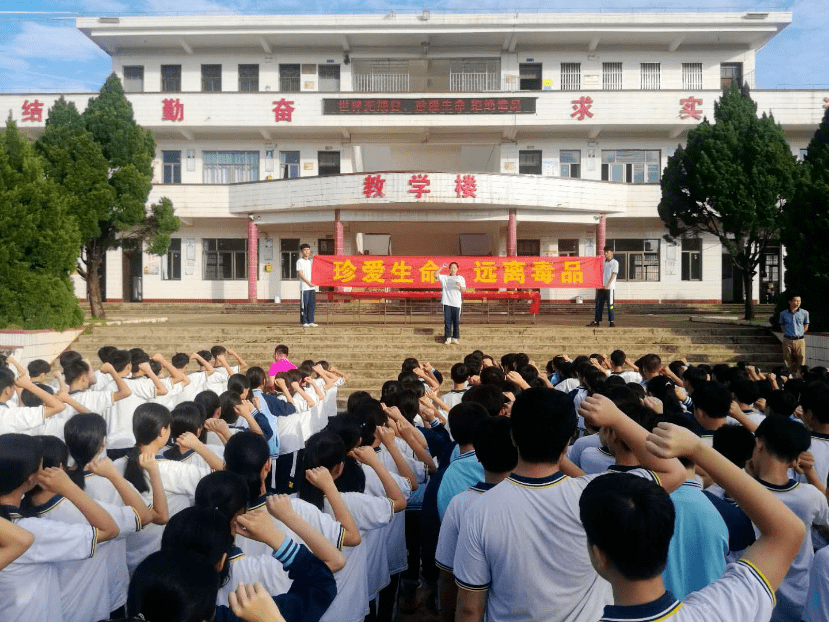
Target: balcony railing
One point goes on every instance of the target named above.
(381, 83)
(289, 84)
(475, 82)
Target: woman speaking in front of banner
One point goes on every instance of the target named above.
(452, 287)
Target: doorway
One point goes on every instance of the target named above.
(132, 271)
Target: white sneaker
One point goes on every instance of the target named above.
(449, 341)
(306, 325)
(455, 340)
(313, 325)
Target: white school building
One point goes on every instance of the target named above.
(426, 134)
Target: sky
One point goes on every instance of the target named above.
(42, 51)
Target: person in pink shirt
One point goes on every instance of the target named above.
(281, 363)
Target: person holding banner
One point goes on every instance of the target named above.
(452, 287)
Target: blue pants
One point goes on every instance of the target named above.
(603, 297)
(307, 304)
(452, 315)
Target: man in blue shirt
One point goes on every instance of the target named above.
(794, 324)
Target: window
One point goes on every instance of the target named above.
(474, 74)
(172, 163)
(528, 248)
(530, 76)
(211, 77)
(731, 73)
(568, 247)
(225, 258)
(328, 163)
(639, 259)
(289, 164)
(328, 78)
(692, 76)
(325, 246)
(612, 76)
(569, 160)
(530, 162)
(631, 166)
(230, 167)
(571, 76)
(289, 78)
(171, 265)
(691, 268)
(289, 254)
(134, 79)
(248, 78)
(650, 76)
(802, 154)
(171, 78)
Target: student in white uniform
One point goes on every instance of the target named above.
(20, 419)
(816, 608)
(108, 568)
(14, 541)
(29, 586)
(94, 398)
(187, 417)
(778, 443)
(497, 454)
(631, 551)
(814, 407)
(516, 519)
(247, 455)
(324, 457)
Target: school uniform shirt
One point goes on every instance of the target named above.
(453, 520)
(25, 420)
(698, 547)
(821, 454)
(325, 525)
(371, 514)
(85, 584)
(194, 458)
(378, 542)
(173, 395)
(523, 542)
(742, 594)
(450, 294)
(198, 383)
(272, 439)
(180, 479)
(453, 397)
(567, 385)
(753, 414)
(816, 608)
(218, 381)
(396, 536)
(810, 506)
(596, 460)
(119, 416)
(30, 585)
(312, 586)
(463, 472)
(629, 376)
(579, 446)
(247, 569)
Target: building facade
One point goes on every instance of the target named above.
(528, 134)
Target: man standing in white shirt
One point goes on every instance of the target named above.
(452, 287)
(307, 289)
(610, 268)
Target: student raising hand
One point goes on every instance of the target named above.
(259, 526)
(253, 603)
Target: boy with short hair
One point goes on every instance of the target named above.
(618, 363)
(778, 443)
(814, 414)
(746, 393)
(464, 470)
(631, 551)
(649, 367)
(521, 555)
(712, 403)
(497, 455)
(459, 374)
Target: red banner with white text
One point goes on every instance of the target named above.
(480, 273)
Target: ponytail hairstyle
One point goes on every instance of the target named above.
(20, 457)
(369, 416)
(246, 453)
(224, 491)
(148, 421)
(227, 406)
(408, 403)
(256, 377)
(202, 531)
(353, 477)
(55, 454)
(186, 417)
(84, 434)
(323, 449)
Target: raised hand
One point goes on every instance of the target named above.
(188, 441)
(103, 467)
(253, 603)
(669, 441)
(365, 455)
(148, 462)
(320, 477)
(55, 479)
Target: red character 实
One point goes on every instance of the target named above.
(172, 110)
(419, 183)
(32, 111)
(690, 108)
(465, 186)
(283, 110)
(373, 186)
(582, 108)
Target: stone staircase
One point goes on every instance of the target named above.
(372, 354)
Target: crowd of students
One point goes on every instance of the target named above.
(598, 488)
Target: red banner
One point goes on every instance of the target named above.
(480, 273)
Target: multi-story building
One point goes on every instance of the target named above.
(535, 134)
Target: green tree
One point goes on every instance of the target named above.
(39, 241)
(805, 232)
(731, 180)
(103, 160)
